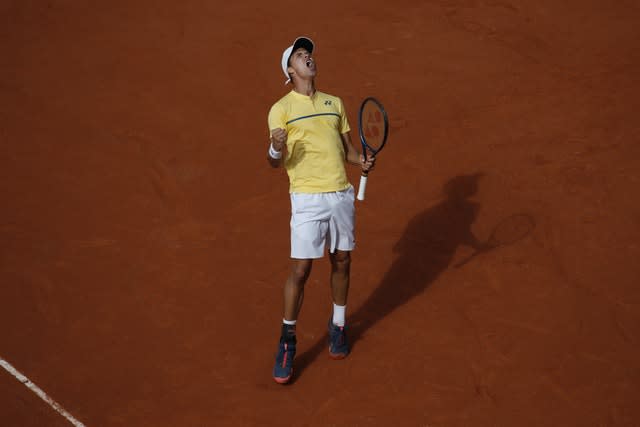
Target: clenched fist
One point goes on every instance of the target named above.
(278, 139)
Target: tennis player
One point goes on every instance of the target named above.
(310, 137)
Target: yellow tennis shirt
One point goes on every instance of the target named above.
(315, 155)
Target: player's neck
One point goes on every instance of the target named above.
(305, 87)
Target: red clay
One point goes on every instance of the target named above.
(145, 239)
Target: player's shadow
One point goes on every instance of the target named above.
(424, 251)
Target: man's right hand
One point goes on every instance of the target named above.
(278, 139)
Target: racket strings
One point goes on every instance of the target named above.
(373, 126)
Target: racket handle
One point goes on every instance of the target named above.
(362, 188)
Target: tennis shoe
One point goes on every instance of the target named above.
(338, 344)
(283, 368)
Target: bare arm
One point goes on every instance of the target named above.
(352, 156)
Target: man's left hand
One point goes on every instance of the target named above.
(367, 165)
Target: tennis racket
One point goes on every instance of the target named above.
(373, 126)
(508, 231)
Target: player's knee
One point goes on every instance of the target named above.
(300, 272)
(341, 261)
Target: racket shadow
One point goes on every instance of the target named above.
(424, 251)
(508, 231)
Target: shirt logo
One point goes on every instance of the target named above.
(327, 102)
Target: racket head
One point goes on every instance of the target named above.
(373, 126)
(511, 230)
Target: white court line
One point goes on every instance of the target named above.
(41, 394)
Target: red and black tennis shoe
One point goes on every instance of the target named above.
(338, 344)
(283, 368)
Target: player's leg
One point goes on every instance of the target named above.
(293, 297)
(340, 274)
(342, 243)
(309, 227)
(294, 288)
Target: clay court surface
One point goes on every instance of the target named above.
(144, 239)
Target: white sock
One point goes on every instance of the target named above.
(289, 322)
(338, 314)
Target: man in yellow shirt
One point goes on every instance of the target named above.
(309, 136)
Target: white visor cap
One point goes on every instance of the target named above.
(304, 42)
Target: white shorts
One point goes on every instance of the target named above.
(321, 218)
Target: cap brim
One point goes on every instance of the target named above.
(303, 42)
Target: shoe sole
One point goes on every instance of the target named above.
(337, 356)
(284, 380)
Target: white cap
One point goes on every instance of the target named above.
(304, 42)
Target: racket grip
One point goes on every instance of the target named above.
(362, 188)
